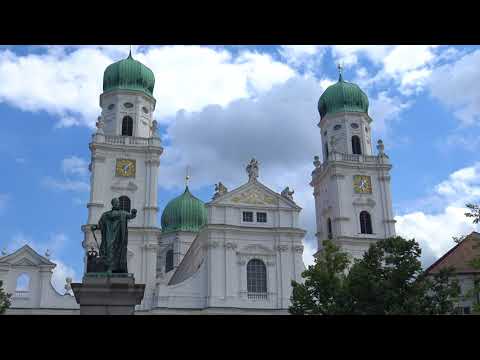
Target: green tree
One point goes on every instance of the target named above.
(324, 290)
(4, 299)
(388, 280)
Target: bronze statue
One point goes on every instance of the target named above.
(114, 229)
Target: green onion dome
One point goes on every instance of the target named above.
(342, 97)
(128, 74)
(184, 213)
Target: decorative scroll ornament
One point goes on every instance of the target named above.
(253, 197)
(220, 190)
(286, 193)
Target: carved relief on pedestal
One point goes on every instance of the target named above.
(255, 197)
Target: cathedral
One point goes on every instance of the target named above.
(237, 253)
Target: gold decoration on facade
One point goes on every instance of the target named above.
(362, 184)
(253, 197)
(125, 167)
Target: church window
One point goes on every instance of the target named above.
(23, 283)
(354, 125)
(145, 110)
(111, 106)
(261, 217)
(127, 126)
(128, 105)
(337, 127)
(248, 216)
(325, 133)
(329, 228)
(124, 203)
(356, 146)
(169, 261)
(365, 223)
(256, 276)
(326, 151)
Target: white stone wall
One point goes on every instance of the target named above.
(334, 193)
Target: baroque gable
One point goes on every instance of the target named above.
(256, 194)
(26, 256)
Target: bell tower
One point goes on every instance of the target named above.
(125, 158)
(352, 185)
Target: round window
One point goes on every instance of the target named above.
(337, 127)
(128, 105)
(145, 110)
(354, 125)
(111, 106)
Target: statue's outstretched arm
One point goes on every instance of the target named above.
(132, 215)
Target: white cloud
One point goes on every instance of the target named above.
(67, 81)
(308, 251)
(434, 230)
(308, 56)
(456, 86)
(74, 165)
(66, 185)
(60, 273)
(384, 109)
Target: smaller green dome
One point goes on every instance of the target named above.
(342, 97)
(128, 74)
(184, 213)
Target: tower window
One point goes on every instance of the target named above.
(124, 203)
(169, 261)
(127, 126)
(354, 125)
(326, 151)
(337, 127)
(365, 223)
(356, 146)
(128, 105)
(256, 276)
(111, 106)
(248, 216)
(329, 228)
(261, 217)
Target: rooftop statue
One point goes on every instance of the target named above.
(114, 229)
(252, 170)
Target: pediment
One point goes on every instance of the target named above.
(26, 256)
(254, 193)
(24, 262)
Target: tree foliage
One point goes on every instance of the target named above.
(4, 299)
(324, 289)
(387, 280)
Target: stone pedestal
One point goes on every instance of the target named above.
(108, 294)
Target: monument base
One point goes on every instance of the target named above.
(108, 294)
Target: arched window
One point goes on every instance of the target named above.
(365, 223)
(329, 228)
(326, 151)
(23, 283)
(256, 277)
(127, 126)
(124, 203)
(356, 146)
(169, 261)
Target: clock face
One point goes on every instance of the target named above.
(125, 167)
(362, 184)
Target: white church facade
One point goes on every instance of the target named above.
(236, 254)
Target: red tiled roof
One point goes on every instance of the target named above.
(459, 256)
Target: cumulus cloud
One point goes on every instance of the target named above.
(383, 109)
(456, 86)
(60, 273)
(434, 229)
(74, 165)
(66, 81)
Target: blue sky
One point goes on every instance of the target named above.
(217, 107)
